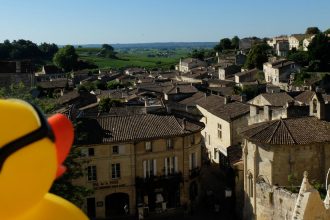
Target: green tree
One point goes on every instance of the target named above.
(48, 50)
(66, 58)
(312, 30)
(224, 44)
(64, 187)
(300, 57)
(19, 91)
(113, 84)
(257, 56)
(327, 31)
(319, 50)
(198, 54)
(106, 103)
(235, 42)
(107, 51)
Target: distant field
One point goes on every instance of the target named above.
(145, 58)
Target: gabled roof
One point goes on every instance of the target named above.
(305, 97)
(290, 131)
(144, 127)
(193, 99)
(180, 89)
(228, 112)
(277, 99)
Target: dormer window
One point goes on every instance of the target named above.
(169, 144)
(115, 150)
(148, 146)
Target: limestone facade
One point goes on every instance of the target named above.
(143, 161)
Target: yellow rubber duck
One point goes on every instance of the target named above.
(32, 150)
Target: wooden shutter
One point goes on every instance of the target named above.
(155, 167)
(176, 164)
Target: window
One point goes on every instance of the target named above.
(115, 150)
(148, 146)
(90, 151)
(215, 153)
(219, 131)
(192, 161)
(149, 168)
(250, 189)
(115, 170)
(209, 140)
(171, 165)
(205, 120)
(91, 173)
(314, 106)
(169, 144)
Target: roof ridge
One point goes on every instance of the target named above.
(271, 123)
(289, 132)
(273, 133)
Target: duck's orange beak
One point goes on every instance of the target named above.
(63, 132)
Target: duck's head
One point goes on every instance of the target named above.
(32, 150)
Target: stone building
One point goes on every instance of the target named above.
(148, 161)
(222, 118)
(275, 150)
(188, 64)
(271, 99)
(278, 72)
(15, 72)
(226, 71)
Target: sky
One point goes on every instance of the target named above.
(141, 21)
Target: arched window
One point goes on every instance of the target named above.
(250, 186)
(314, 106)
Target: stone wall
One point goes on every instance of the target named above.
(274, 202)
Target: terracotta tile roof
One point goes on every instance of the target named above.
(304, 130)
(228, 112)
(252, 71)
(305, 97)
(180, 89)
(277, 99)
(224, 91)
(192, 100)
(144, 127)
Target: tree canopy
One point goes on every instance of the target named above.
(66, 58)
(327, 31)
(312, 30)
(235, 42)
(106, 103)
(257, 56)
(107, 51)
(25, 49)
(300, 57)
(227, 44)
(319, 50)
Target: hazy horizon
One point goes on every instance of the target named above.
(146, 21)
